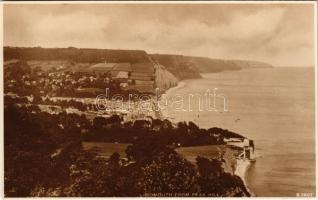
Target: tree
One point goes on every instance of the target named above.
(145, 149)
(26, 152)
(169, 173)
(213, 181)
(90, 177)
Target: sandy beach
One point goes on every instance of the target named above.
(178, 86)
(168, 95)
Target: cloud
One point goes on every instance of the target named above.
(71, 29)
(259, 25)
(272, 33)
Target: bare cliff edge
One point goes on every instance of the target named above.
(166, 69)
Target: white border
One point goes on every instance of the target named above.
(149, 2)
(160, 2)
(1, 107)
(316, 104)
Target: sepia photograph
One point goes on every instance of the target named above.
(159, 99)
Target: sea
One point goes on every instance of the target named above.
(275, 107)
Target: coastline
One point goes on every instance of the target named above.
(180, 84)
(242, 167)
(163, 112)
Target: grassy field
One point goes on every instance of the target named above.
(190, 153)
(106, 149)
(209, 151)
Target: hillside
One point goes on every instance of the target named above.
(178, 66)
(75, 54)
(164, 79)
(136, 66)
(208, 65)
(185, 67)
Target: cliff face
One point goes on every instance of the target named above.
(163, 78)
(178, 65)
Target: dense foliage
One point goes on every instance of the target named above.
(44, 157)
(75, 54)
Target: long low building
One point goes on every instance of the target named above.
(139, 82)
(142, 78)
(142, 73)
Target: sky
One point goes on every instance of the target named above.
(279, 34)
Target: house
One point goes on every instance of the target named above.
(237, 141)
(123, 85)
(121, 75)
(247, 148)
